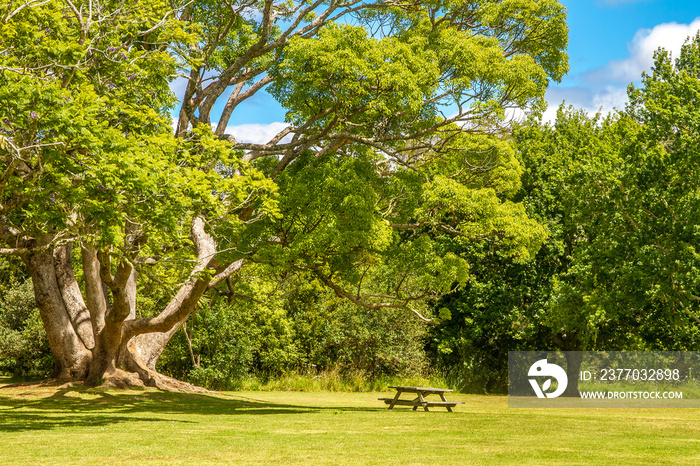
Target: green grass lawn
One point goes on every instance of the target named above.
(76, 425)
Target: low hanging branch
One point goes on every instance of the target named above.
(189, 293)
(360, 299)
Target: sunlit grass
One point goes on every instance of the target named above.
(76, 425)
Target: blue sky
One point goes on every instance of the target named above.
(610, 43)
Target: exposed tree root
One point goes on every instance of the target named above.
(148, 378)
(163, 382)
(129, 380)
(121, 380)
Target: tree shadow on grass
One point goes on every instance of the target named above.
(82, 407)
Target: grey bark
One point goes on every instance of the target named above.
(72, 297)
(96, 336)
(70, 353)
(95, 289)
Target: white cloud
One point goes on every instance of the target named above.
(550, 115)
(600, 100)
(607, 100)
(255, 133)
(670, 36)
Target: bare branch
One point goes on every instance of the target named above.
(30, 4)
(226, 273)
(61, 238)
(235, 99)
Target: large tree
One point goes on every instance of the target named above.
(392, 153)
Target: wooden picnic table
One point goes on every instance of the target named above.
(420, 400)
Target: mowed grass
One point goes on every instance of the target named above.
(80, 426)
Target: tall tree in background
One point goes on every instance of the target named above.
(620, 197)
(392, 154)
(570, 168)
(635, 270)
(663, 178)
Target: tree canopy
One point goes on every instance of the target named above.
(618, 195)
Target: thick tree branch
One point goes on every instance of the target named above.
(187, 297)
(72, 296)
(95, 289)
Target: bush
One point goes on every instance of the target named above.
(229, 342)
(336, 334)
(309, 332)
(24, 348)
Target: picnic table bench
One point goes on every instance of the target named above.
(420, 400)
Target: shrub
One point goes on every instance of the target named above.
(308, 332)
(24, 348)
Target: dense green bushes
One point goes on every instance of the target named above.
(24, 348)
(307, 332)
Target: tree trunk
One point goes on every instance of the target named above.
(570, 344)
(60, 318)
(72, 297)
(107, 354)
(573, 366)
(96, 291)
(97, 338)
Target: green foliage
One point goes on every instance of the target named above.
(86, 136)
(221, 344)
(334, 334)
(663, 213)
(362, 79)
(585, 180)
(572, 169)
(308, 332)
(397, 234)
(619, 269)
(328, 208)
(628, 215)
(24, 348)
(89, 147)
(436, 54)
(501, 309)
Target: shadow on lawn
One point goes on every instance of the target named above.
(82, 407)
